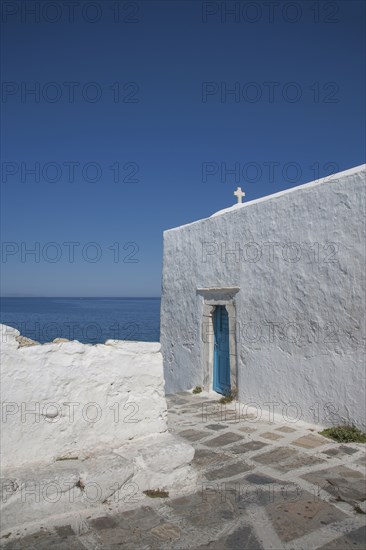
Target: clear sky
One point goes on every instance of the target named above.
(147, 115)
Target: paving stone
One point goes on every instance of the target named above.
(209, 508)
(246, 429)
(64, 531)
(264, 490)
(340, 451)
(105, 522)
(355, 539)
(333, 451)
(348, 450)
(143, 518)
(43, 540)
(260, 495)
(298, 461)
(205, 457)
(341, 482)
(271, 435)
(166, 532)
(123, 538)
(133, 531)
(273, 457)
(309, 441)
(216, 427)
(242, 538)
(262, 479)
(285, 429)
(250, 446)
(229, 470)
(192, 435)
(116, 537)
(187, 502)
(295, 518)
(223, 439)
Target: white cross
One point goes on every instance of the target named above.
(239, 194)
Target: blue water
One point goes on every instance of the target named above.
(89, 320)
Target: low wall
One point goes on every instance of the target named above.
(66, 399)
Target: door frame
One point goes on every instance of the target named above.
(212, 297)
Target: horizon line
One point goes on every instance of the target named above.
(90, 297)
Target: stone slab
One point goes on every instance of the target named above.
(272, 458)
(348, 450)
(104, 522)
(247, 429)
(206, 509)
(285, 429)
(223, 439)
(340, 451)
(64, 531)
(310, 441)
(242, 538)
(144, 518)
(271, 435)
(341, 482)
(296, 518)
(354, 540)
(43, 540)
(247, 447)
(229, 470)
(205, 457)
(192, 435)
(298, 461)
(166, 532)
(259, 478)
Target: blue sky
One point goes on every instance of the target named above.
(147, 115)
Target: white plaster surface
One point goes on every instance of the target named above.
(98, 482)
(70, 398)
(84, 426)
(298, 258)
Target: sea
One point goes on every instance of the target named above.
(88, 320)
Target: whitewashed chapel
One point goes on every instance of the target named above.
(267, 298)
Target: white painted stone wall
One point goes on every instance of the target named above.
(68, 399)
(84, 430)
(300, 322)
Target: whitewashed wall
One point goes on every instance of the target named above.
(300, 308)
(67, 399)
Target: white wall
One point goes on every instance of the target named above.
(118, 384)
(300, 308)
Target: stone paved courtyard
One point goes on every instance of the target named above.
(262, 485)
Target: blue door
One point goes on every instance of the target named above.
(221, 374)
